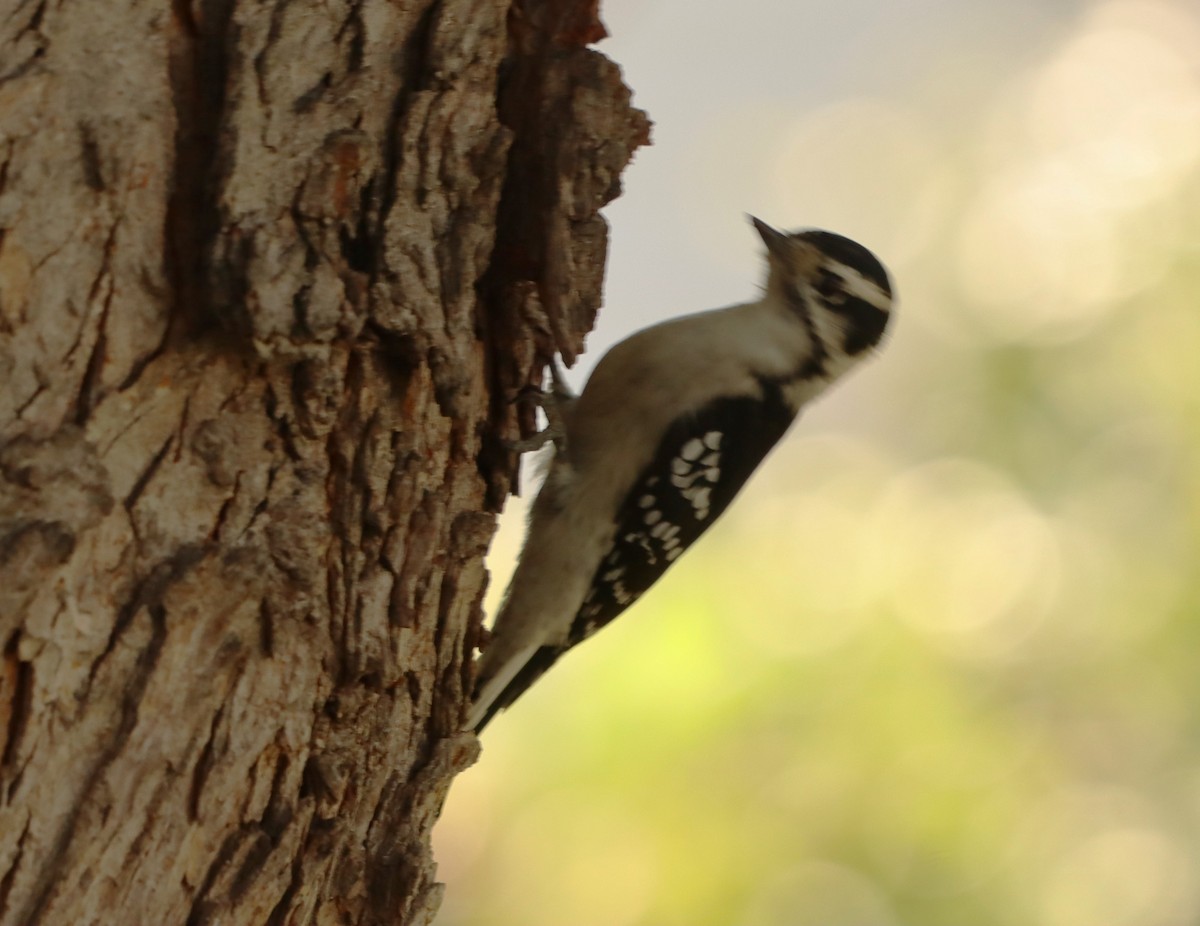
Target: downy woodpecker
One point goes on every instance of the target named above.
(669, 427)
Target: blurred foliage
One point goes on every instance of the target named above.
(939, 665)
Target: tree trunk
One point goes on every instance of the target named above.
(270, 274)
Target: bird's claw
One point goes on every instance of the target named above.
(551, 402)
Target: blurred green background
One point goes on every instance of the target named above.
(939, 664)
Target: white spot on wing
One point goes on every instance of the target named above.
(692, 449)
(712, 440)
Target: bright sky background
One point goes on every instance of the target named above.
(939, 664)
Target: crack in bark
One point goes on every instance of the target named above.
(354, 20)
(139, 366)
(91, 374)
(34, 27)
(266, 629)
(21, 703)
(181, 429)
(203, 766)
(279, 813)
(261, 846)
(279, 912)
(259, 510)
(202, 907)
(214, 535)
(51, 864)
(6, 882)
(127, 425)
(280, 422)
(41, 388)
(148, 593)
(198, 79)
(143, 479)
(89, 152)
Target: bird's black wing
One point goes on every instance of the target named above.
(702, 463)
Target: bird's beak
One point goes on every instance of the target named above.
(776, 241)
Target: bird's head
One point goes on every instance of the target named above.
(839, 289)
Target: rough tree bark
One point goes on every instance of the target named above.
(270, 273)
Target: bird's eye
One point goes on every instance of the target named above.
(829, 286)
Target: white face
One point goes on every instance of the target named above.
(850, 310)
